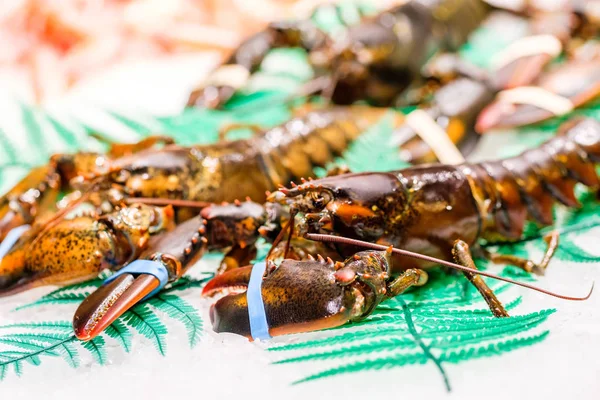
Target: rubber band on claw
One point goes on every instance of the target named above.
(148, 267)
(11, 238)
(259, 327)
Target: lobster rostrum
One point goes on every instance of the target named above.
(437, 212)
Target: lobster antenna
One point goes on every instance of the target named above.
(167, 202)
(374, 246)
(289, 226)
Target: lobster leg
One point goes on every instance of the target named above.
(33, 195)
(237, 257)
(462, 256)
(223, 82)
(551, 240)
(125, 149)
(409, 278)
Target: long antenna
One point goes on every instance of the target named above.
(337, 239)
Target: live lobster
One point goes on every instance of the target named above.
(108, 182)
(433, 213)
(437, 211)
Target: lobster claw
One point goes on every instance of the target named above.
(111, 300)
(300, 296)
(166, 259)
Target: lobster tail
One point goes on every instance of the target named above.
(526, 187)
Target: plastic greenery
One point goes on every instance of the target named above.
(30, 342)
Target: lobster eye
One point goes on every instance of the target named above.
(320, 199)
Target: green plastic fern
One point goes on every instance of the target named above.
(421, 326)
(27, 342)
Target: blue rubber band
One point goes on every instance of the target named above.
(140, 267)
(259, 327)
(11, 238)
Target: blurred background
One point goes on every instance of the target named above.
(52, 47)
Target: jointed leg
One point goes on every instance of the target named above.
(32, 196)
(551, 240)
(124, 149)
(256, 129)
(409, 278)
(237, 257)
(462, 256)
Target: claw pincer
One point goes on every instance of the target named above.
(301, 296)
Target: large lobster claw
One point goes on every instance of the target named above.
(166, 259)
(302, 296)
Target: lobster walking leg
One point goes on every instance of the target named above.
(409, 278)
(125, 149)
(33, 195)
(237, 257)
(462, 256)
(551, 240)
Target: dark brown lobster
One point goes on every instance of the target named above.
(218, 172)
(437, 211)
(172, 175)
(374, 60)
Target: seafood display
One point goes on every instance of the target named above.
(374, 60)
(341, 244)
(437, 212)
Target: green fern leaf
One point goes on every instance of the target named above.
(146, 323)
(371, 347)
(54, 346)
(140, 127)
(24, 344)
(399, 360)
(118, 331)
(492, 348)
(96, 348)
(70, 139)
(32, 127)
(352, 335)
(183, 312)
(51, 325)
(18, 366)
(68, 353)
(58, 298)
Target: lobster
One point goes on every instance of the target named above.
(219, 172)
(457, 94)
(437, 212)
(374, 60)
